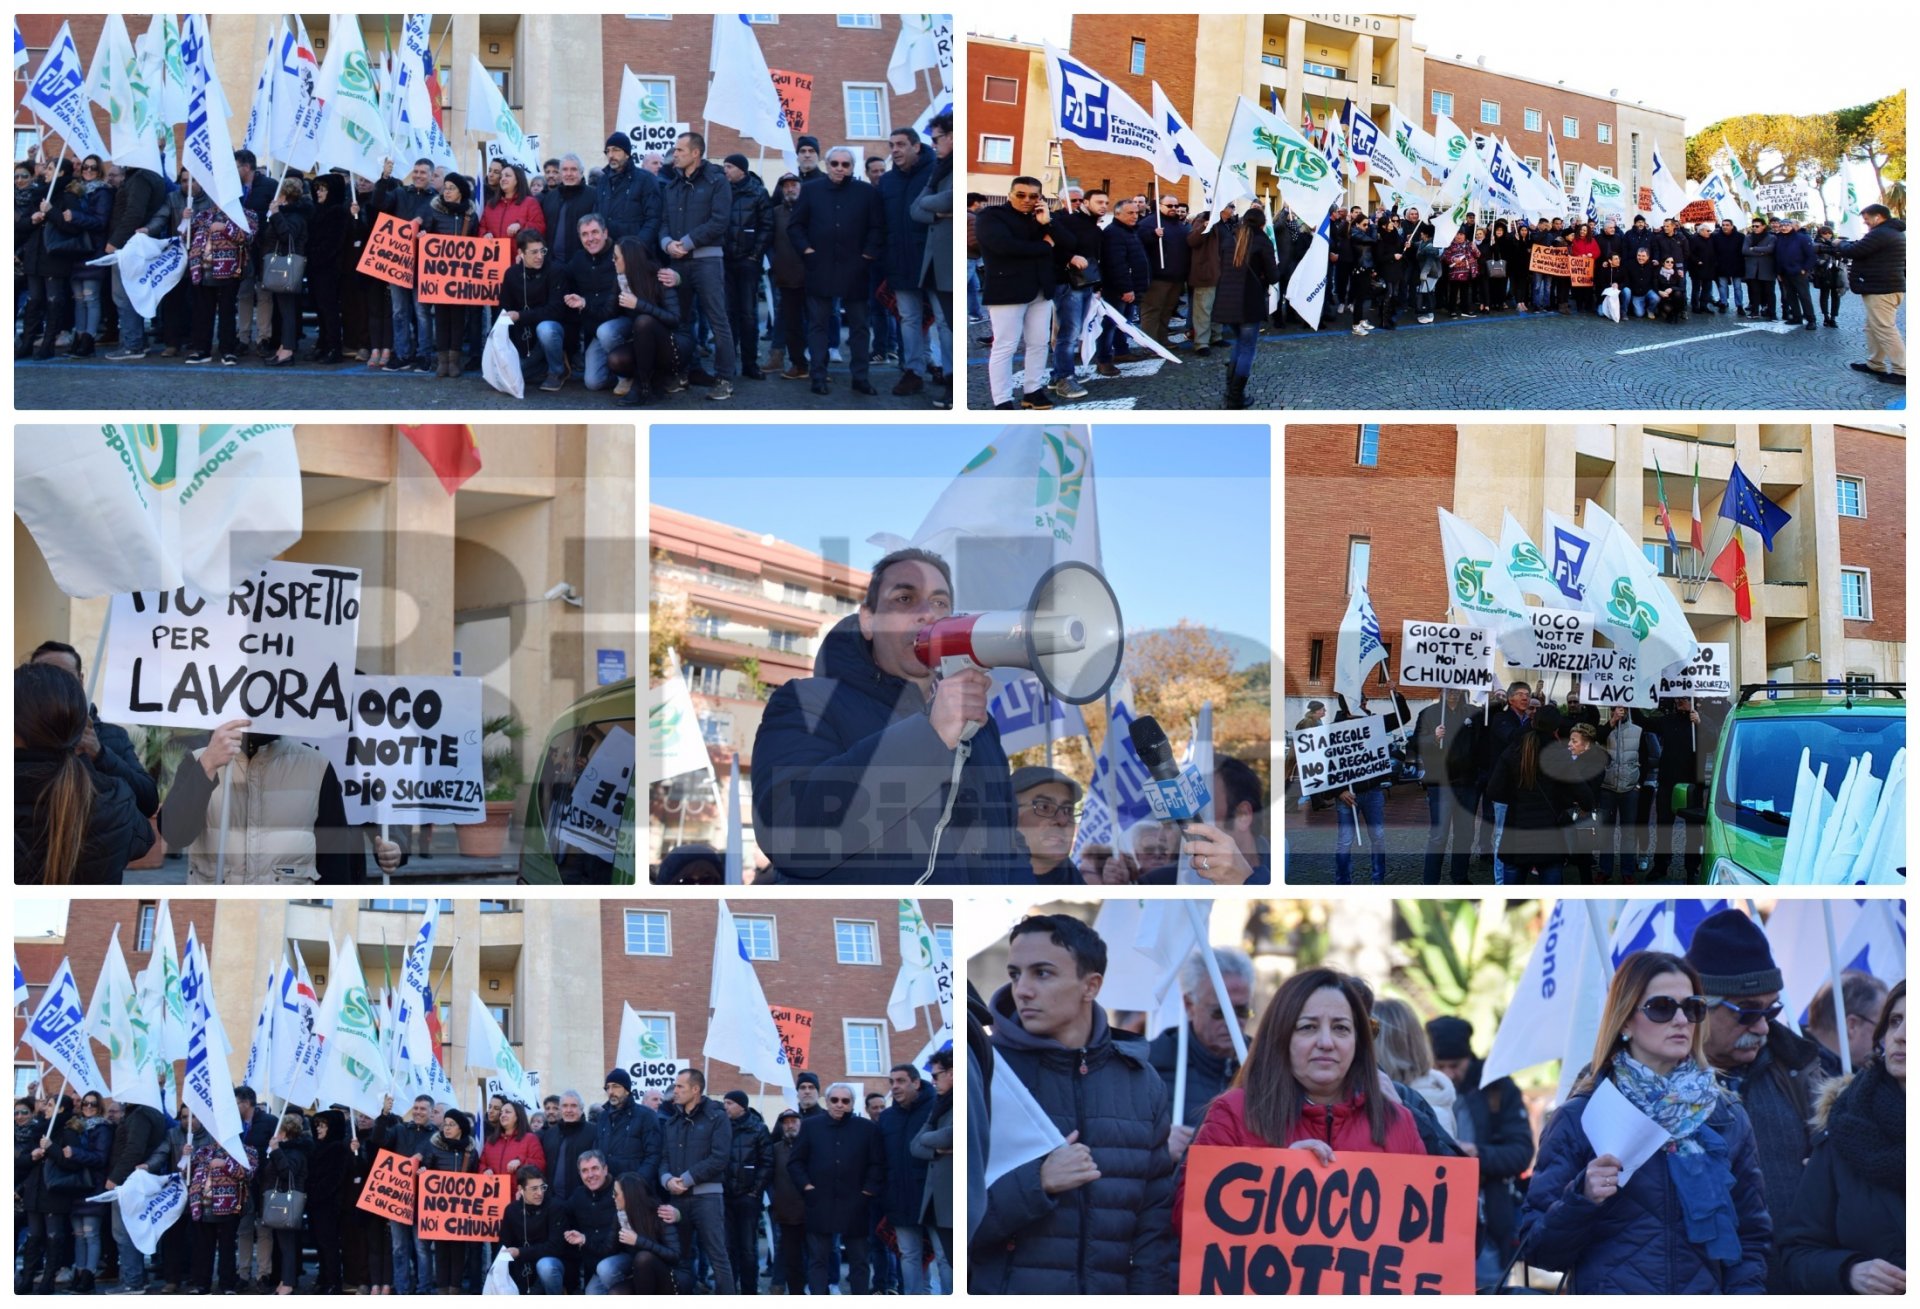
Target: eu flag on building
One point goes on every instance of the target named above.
(1745, 505)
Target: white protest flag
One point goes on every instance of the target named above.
(417, 133)
(1502, 177)
(148, 1024)
(149, 268)
(736, 835)
(1019, 1130)
(118, 83)
(1524, 562)
(1554, 172)
(19, 978)
(922, 962)
(1479, 584)
(175, 1023)
(259, 133)
(1851, 225)
(259, 1073)
(1555, 1013)
(1845, 832)
(1882, 860)
(488, 1048)
(1600, 197)
(742, 1031)
(115, 1021)
(297, 111)
(58, 1031)
(352, 1070)
(19, 62)
(170, 39)
(673, 730)
(1132, 333)
(353, 132)
(488, 115)
(1631, 603)
(57, 97)
(1026, 715)
(1307, 286)
(917, 47)
(149, 1203)
(1257, 139)
(1458, 199)
(1181, 151)
(1569, 552)
(207, 149)
(416, 971)
(1416, 142)
(1359, 648)
(1021, 505)
(1090, 330)
(637, 1042)
(1876, 944)
(207, 1088)
(1451, 145)
(1093, 113)
(1811, 806)
(1742, 184)
(1141, 965)
(1546, 197)
(741, 93)
(298, 1043)
(1669, 189)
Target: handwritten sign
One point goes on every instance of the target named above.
(1336, 755)
(389, 252)
(1610, 678)
(1278, 1222)
(1551, 260)
(796, 1034)
(413, 752)
(1646, 200)
(1564, 639)
(460, 1206)
(655, 1074)
(389, 1189)
(592, 818)
(1710, 674)
(656, 138)
(1446, 654)
(279, 651)
(796, 97)
(1697, 211)
(461, 270)
(498, 1086)
(1781, 198)
(1581, 270)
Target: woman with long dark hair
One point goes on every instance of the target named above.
(1546, 790)
(512, 1145)
(71, 822)
(515, 210)
(654, 319)
(326, 264)
(648, 1228)
(450, 214)
(1846, 1230)
(1690, 1220)
(1311, 1081)
(47, 258)
(1248, 268)
(85, 208)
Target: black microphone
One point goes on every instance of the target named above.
(1156, 752)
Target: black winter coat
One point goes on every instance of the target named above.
(1877, 262)
(288, 227)
(906, 1176)
(629, 199)
(1113, 1236)
(443, 221)
(842, 226)
(750, 226)
(749, 1156)
(534, 295)
(904, 241)
(563, 207)
(407, 203)
(117, 832)
(141, 194)
(329, 1166)
(287, 1167)
(1539, 816)
(327, 235)
(1169, 258)
(844, 1163)
(593, 1215)
(139, 1138)
(630, 1139)
(789, 266)
(1242, 294)
(593, 278)
(1208, 1074)
(697, 1146)
(1124, 266)
(563, 1143)
(444, 1156)
(533, 1230)
(1504, 1138)
(1852, 1202)
(695, 209)
(1729, 253)
(826, 742)
(1018, 262)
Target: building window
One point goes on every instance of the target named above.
(1656, 553)
(996, 149)
(1530, 118)
(793, 593)
(143, 932)
(1533, 162)
(1316, 655)
(1606, 170)
(503, 1015)
(408, 906)
(650, 932)
(944, 935)
(1568, 172)
(707, 624)
(1001, 91)
(1633, 159)
(1441, 102)
(866, 1048)
(1853, 497)
(703, 678)
(764, 20)
(1369, 453)
(659, 92)
(1138, 61)
(1322, 70)
(657, 1034)
(858, 20)
(1359, 561)
(757, 936)
(1603, 133)
(1570, 128)
(856, 941)
(1856, 594)
(866, 105)
(1273, 61)
(716, 729)
(1490, 112)
(789, 642)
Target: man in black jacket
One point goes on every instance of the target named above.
(140, 198)
(696, 208)
(1442, 735)
(695, 1154)
(749, 1159)
(1125, 276)
(1501, 728)
(1211, 1063)
(412, 1260)
(839, 1166)
(906, 1176)
(1076, 243)
(591, 1229)
(592, 292)
(625, 1131)
(563, 206)
(749, 233)
(567, 1136)
(530, 299)
(627, 198)
(139, 1145)
(1877, 273)
(836, 226)
(1490, 1124)
(1169, 260)
(1683, 742)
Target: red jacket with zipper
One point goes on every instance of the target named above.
(1343, 1126)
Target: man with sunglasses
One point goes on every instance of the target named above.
(1045, 808)
(839, 1165)
(1211, 1065)
(837, 226)
(1776, 1073)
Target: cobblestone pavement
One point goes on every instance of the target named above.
(1512, 361)
(1310, 837)
(158, 383)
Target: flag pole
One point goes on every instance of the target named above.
(226, 818)
(1833, 981)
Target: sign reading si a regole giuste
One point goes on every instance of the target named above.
(278, 651)
(1337, 755)
(1448, 655)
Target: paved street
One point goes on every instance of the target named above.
(1310, 836)
(161, 384)
(1512, 361)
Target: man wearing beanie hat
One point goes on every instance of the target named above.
(626, 1131)
(749, 1168)
(807, 151)
(749, 233)
(1776, 1073)
(806, 1087)
(1490, 1124)
(626, 196)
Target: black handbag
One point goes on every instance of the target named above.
(1080, 279)
(284, 273)
(62, 1178)
(283, 1210)
(1496, 268)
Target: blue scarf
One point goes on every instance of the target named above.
(1681, 1102)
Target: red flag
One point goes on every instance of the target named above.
(1731, 568)
(433, 94)
(450, 450)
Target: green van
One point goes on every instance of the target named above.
(606, 856)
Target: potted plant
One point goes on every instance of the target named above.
(501, 774)
(160, 753)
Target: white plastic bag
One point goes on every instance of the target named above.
(499, 1279)
(1610, 303)
(500, 362)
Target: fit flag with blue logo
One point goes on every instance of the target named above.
(1094, 114)
(1359, 649)
(57, 96)
(19, 978)
(19, 48)
(741, 1030)
(1026, 715)
(1363, 136)
(206, 151)
(1181, 152)
(207, 1088)
(58, 1031)
(1746, 505)
(1664, 925)
(1569, 550)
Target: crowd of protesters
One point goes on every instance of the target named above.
(1037, 267)
(651, 1194)
(644, 276)
(1779, 1173)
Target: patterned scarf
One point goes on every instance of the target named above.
(1680, 1102)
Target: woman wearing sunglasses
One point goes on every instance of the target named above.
(1847, 1228)
(1691, 1220)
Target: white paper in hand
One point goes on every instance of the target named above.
(1613, 1126)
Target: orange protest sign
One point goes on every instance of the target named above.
(389, 252)
(796, 97)
(461, 270)
(389, 1189)
(796, 1033)
(1697, 211)
(460, 1206)
(1548, 259)
(1581, 267)
(1278, 1222)
(1646, 199)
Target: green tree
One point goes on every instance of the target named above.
(1876, 134)
(1464, 957)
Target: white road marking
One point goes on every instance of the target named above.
(1775, 328)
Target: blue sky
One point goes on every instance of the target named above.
(1185, 512)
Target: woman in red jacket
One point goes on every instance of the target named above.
(1584, 245)
(515, 1146)
(1311, 1082)
(516, 207)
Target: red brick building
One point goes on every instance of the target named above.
(40, 31)
(1108, 45)
(1000, 104)
(1871, 494)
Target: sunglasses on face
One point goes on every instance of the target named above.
(1244, 1012)
(1748, 1017)
(838, 163)
(838, 1099)
(1662, 1008)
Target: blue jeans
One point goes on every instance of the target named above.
(412, 1261)
(133, 1264)
(1732, 291)
(1542, 291)
(412, 324)
(1246, 338)
(1502, 870)
(609, 334)
(704, 281)
(912, 303)
(608, 1274)
(1643, 305)
(913, 1248)
(1623, 809)
(86, 1242)
(974, 308)
(552, 337)
(133, 328)
(1371, 805)
(552, 1276)
(1070, 309)
(1449, 819)
(86, 305)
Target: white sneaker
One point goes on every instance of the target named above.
(1361, 329)
(834, 354)
(1425, 318)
